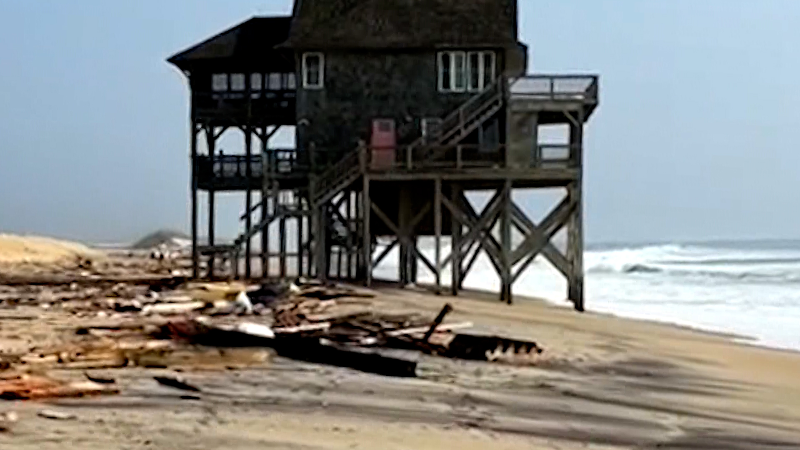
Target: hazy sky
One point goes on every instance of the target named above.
(695, 137)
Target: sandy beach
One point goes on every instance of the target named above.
(603, 382)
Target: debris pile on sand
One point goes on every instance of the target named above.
(128, 313)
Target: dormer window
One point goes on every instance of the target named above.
(313, 70)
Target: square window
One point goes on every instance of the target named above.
(274, 82)
(237, 82)
(219, 82)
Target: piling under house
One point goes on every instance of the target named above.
(401, 109)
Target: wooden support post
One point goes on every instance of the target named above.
(264, 211)
(340, 249)
(282, 243)
(211, 141)
(320, 250)
(505, 239)
(403, 216)
(298, 200)
(248, 202)
(349, 225)
(264, 234)
(455, 243)
(437, 226)
(575, 224)
(366, 211)
(195, 170)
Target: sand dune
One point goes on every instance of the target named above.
(40, 250)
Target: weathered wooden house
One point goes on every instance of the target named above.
(400, 108)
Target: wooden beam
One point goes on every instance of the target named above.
(477, 228)
(367, 239)
(194, 187)
(437, 229)
(455, 245)
(299, 202)
(264, 211)
(403, 238)
(248, 202)
(505, 239)
(554, 221)
(528, 227)
(282, 244)
(472, 259)
(211, 142)
(487, 239)
(385, 252)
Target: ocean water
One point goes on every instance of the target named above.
(751, 289)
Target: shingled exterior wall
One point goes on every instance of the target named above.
(361, 86)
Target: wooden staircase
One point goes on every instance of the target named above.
(464, 121)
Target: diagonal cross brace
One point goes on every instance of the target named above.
(404, 239)
(475, 227)
(528, 227)
(489, 243)
(538, 239)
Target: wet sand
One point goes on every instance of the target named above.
(603, 382)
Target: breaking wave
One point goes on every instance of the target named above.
(759, 265)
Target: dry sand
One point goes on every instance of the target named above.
(34, 250)
(603, 383)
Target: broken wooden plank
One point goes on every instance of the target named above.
(176, 382)
(30, 387)
(446, 309)
(303, 328)
(439, 329)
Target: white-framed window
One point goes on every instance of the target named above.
(237, 82)
(256, 82)
(466, 71)
(274, 83)
(219, 82)
(313, 70)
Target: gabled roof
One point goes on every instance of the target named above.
(249, 39)
(376, 24)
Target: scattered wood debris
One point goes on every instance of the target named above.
(55, 415)
(145, 317)
(33, 387)
(176, 382)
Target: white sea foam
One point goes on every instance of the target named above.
(748, 289)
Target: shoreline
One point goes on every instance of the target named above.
(602, 379)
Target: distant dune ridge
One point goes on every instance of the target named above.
(163, 238)
(41, 250)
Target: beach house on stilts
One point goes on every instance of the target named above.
(401, 110)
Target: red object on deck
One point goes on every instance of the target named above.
(383, 143)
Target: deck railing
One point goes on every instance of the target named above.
(458, 157)
(582, 88)
(273, 162)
